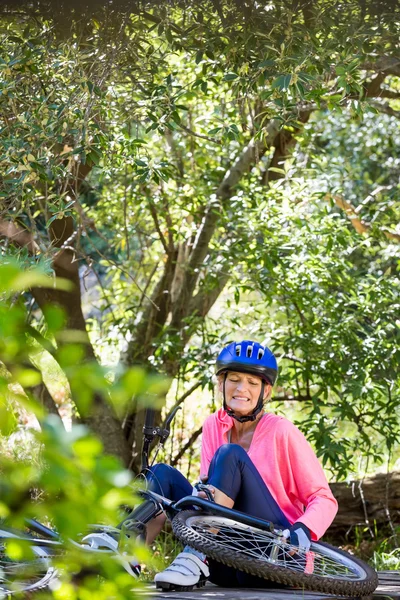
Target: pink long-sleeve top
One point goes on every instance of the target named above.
(286, 463)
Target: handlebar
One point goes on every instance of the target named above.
(148, 428)
(170, 417)
(152, 431)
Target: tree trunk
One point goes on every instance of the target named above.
(375, 499)
(42, 393)
(102, 419)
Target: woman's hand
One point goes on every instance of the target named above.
(200, 485)
(299, 536)
(211, 489)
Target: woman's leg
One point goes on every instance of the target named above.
(188, 568)
(168, 482)
(235, 477)
(233, 473)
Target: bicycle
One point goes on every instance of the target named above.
(233, 538)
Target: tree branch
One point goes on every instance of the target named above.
(199, 135)
(307, 9)
(188, 393)
(291, 357)
(385, 64)
(248, 158)
(388, 94)
(44, 342)
(186, 447)
(202, 302)
(283, 143)
(153, 317)
(390, 234)
(387, 109)
(101, 419)
(153, 213)
(374, 86)
(359, 225)
(147, 284)
(290, 398)
(19, 236)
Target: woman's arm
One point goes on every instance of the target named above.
(206, 451)
(311, 484)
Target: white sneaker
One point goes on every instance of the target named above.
(184, 573)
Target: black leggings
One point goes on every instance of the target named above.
(231, 471)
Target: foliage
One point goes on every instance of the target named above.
(75, 483)
(387, 561)
(343, 368)
(174, 153)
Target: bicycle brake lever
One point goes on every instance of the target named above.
(203, 488)
(171, 415)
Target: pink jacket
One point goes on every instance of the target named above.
(287, 464)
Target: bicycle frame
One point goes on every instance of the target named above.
(155, 503)
(42, 530)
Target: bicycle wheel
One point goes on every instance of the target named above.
(264, 554)
(18, 576)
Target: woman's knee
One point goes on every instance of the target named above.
(230, 452)
(168, 481)
(159, 469)
(159, 476)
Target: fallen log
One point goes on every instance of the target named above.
(375, 499)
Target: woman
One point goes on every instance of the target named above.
(256, 462)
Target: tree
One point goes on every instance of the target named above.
(142, 141)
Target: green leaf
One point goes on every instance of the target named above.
(230, 76)
(277, 170)
(53, 218)
(282, 82)
(54, 316)
(93, 158)
(175, 117)
(12, 279)
(266, 63)
(15, 61)
(8, 419)
(215, 130)
(27, 377)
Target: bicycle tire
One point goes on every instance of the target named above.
(25, 575)
(264, 554)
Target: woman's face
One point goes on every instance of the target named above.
(242, 391)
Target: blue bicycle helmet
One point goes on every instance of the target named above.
(248, 357)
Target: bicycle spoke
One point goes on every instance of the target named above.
(18, 576)
(269, 546)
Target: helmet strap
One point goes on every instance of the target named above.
(256, 411)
